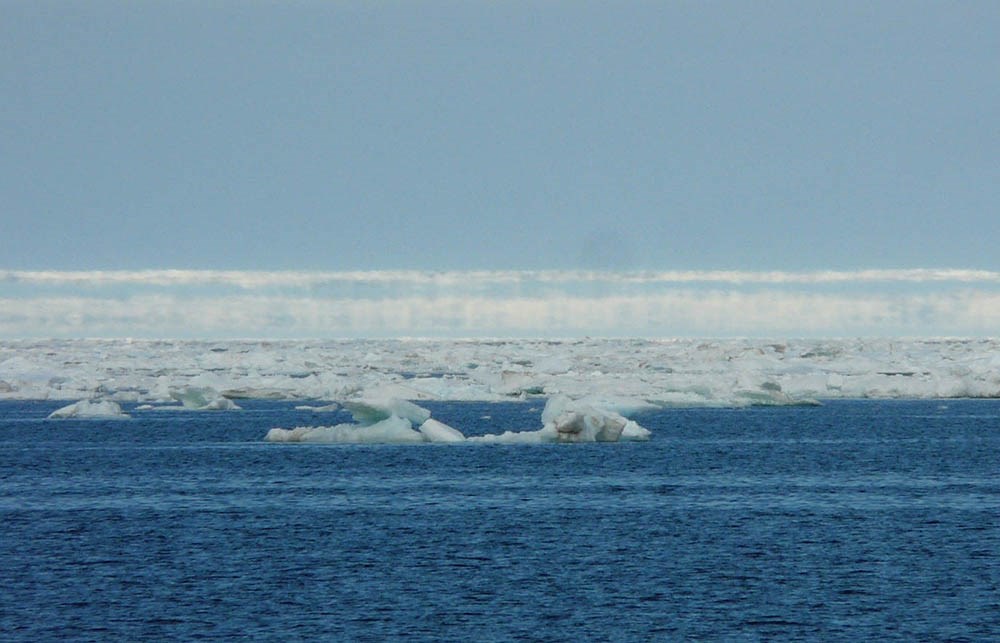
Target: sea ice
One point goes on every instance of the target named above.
(326, 408)
(391, 421)
(368, 411)
(202, 399)
(567, 420)
(635, 433)
(623, 375)
(392, 430)
(90, 409)
(434, 431)
(544, 435)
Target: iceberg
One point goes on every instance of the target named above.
(90, 409)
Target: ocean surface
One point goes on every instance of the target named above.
(854, 520)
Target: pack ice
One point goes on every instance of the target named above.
(619, 375)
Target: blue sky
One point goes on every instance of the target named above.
(468, 135)
(796, 137)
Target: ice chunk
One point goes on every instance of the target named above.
(554, 407)
(378, 421)
(576, 421)
(635, 433)
(326, 408)
(589, 425)
(202, 399)
(434, 431)
(90, 409)
(371, 411)
(541, 436)
(392, 430)
(567, 420)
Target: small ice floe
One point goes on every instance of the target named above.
(566, 420)
(101, 409)
(392, 421)
(389, 421)
(393, 430)
(326, 408)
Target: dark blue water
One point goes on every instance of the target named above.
(855, 520)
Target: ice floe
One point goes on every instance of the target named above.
(388, 421)
(392, 421)
(90, 409)
(202, 399)
(392, 430)
(325, 408)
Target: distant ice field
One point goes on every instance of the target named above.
(622, 376)
(481, 304)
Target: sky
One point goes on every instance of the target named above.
(341, 138)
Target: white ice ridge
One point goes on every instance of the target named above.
(624, 375)
(391, 422)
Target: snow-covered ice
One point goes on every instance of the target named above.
(376, 421)
(325, 408)
(567, 421)
(618, 375)
(90, 409)
(392, 430)
(391, 421)
(434, 431)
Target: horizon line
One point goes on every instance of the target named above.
(253, 278)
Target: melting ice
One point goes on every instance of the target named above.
(605, 381)
(393, 421)
(90, 409)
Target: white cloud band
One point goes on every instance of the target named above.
(249, 279)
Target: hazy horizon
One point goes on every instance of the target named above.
(355, 137)
(469, 304)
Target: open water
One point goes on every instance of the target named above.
(851, 521)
